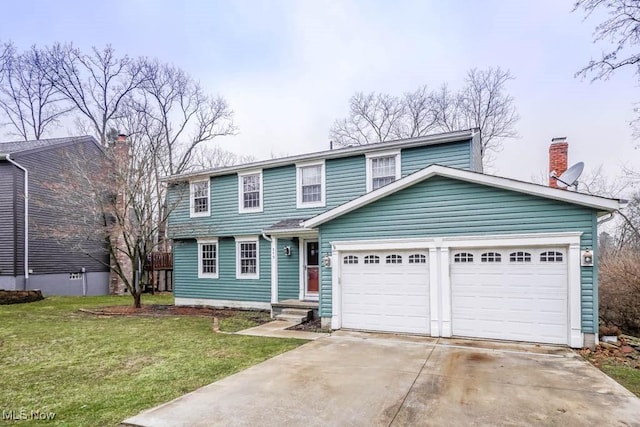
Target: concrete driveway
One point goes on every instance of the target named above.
(358, 379)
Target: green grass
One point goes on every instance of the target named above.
(97, 371)
(628, 376)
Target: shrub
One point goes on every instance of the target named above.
(619, 296)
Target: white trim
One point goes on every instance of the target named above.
(323, 185)
(595, 202)
(301, 280)
(211, 241)
(386, 244)
(576, 336)
(221, 303)
(274, 270)
(316, 295)
(498, 240)
(445, 289)
(247, 239)
(434, 293)
(377, 155)
(331, 154)
(336, 290)
(193, 214)
(241, 175)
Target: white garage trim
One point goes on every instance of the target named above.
(439, 272)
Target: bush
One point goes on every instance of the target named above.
(619, 280)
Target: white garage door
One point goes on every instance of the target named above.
(385, 291)
(513, 294)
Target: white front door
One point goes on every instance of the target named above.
(311, 269)
(385, 291)
(516, 294)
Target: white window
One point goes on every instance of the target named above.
(491, 257)
(463, 257)
(372, 259)
(417, 259)
(394, 259)
(208, 258)
(551, 256)
(75, 276)
(350, 259)
(200, 198)
(382, 169)
(310, 185)
(247, 258)
(250, 191)
(520, 256)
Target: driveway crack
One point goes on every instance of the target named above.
(404, 399)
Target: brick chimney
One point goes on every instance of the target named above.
(558, 159)
(121, 158)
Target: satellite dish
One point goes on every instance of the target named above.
(570, 176)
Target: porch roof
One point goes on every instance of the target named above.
(289, 227)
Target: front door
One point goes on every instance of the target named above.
(312, 271)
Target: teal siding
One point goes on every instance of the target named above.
(288, 270)
(442, 206)
(345, 181)
(457, 155)
(226, 287)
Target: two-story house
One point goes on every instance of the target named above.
(403, 236)
(31, 257)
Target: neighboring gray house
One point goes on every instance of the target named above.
(29, 257)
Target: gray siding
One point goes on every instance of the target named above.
(46, 255)
(456, 155)
(60, 284)
(442, 206)
(7, 226)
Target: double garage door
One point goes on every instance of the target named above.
(501, 293)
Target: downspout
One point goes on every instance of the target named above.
(7, 157)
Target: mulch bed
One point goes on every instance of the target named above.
(172, 310)
(311, 326)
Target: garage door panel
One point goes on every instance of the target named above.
(386, 297)
(524, 301)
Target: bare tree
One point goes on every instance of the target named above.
(483, 103)
(30, 102)
(6, 50)
(372, 118)
(488, 107)
(621, 31)
(205, 157)
(97, 84)
(114, 199)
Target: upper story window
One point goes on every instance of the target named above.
(310, 183)
(382, 169)
(247, 258)
(200, 204)
(208, 259)
(250, 192)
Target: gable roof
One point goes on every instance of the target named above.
(441, 138)
(42, 144)
(602, 204)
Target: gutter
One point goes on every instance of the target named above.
(8, 158)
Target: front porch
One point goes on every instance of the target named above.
(286, 309)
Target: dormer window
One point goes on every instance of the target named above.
(199, 205)
(382, 169)
(250, 192)
(310, 183)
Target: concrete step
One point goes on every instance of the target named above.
(291, 318)
(297, 312)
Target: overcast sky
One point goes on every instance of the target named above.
(288, 68)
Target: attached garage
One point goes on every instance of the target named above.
(386, 291)
(510, 293)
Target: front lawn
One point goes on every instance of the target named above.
(97, 370)
(628, 376)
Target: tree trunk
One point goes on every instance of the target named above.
(137, 296)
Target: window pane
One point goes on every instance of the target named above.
(248, 258)
(311, 193)
(251, 191)
(383, 171)
(209, 253)
(311, 175)
(200, 193)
